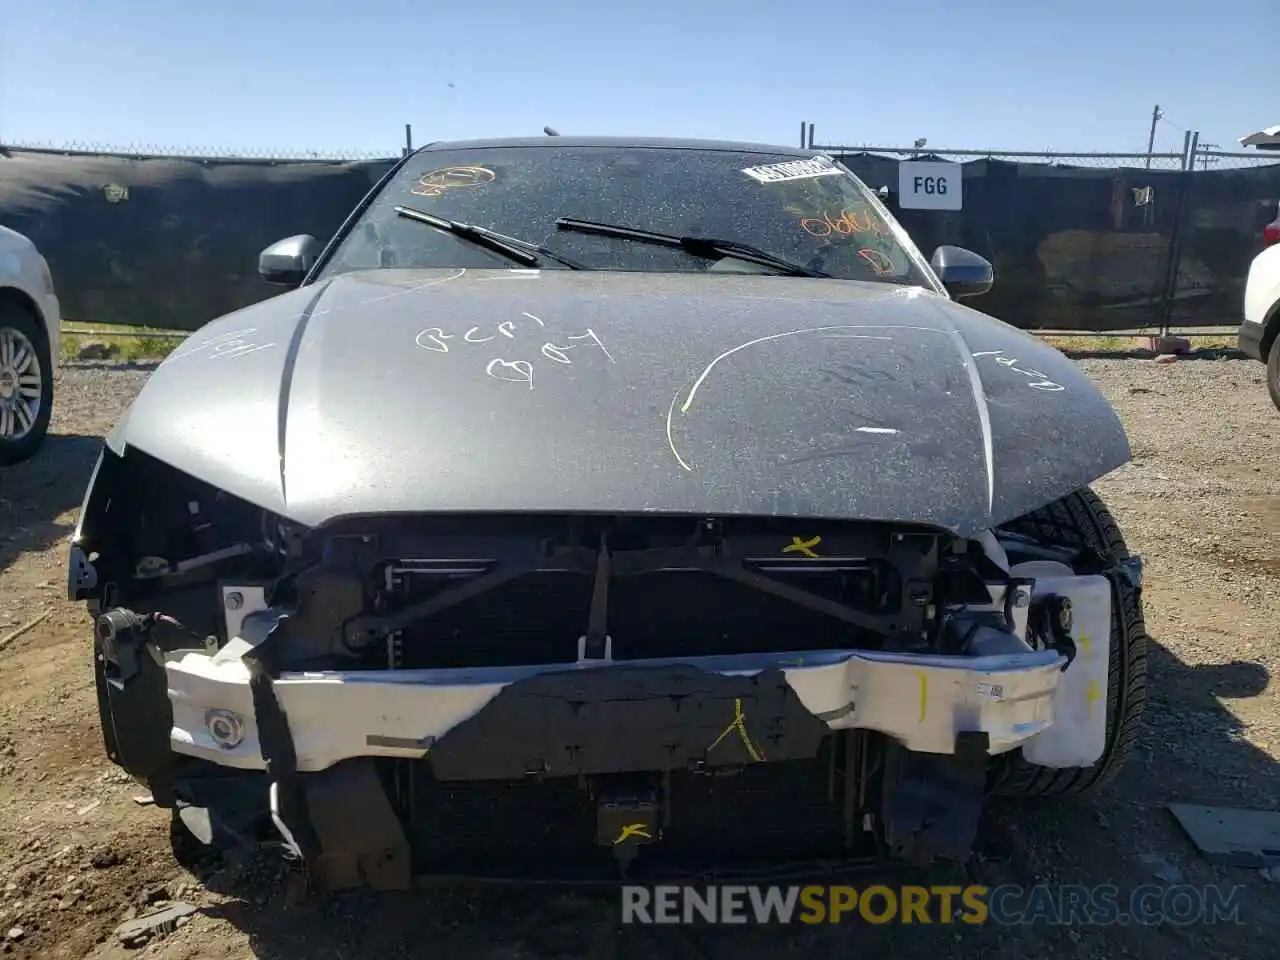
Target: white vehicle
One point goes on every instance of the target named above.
(29, 328)
(1259, 335)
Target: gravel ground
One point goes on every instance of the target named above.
(78, 854)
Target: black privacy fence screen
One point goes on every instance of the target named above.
(1089, 242)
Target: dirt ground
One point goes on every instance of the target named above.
(79, 854)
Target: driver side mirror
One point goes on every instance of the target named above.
(962, 272)
(286, 262)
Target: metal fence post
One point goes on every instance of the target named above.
(1190, 144)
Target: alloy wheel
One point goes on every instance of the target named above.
(21, 380)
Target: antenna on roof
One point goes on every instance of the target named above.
(550, 132)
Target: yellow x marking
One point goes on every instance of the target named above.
(633, 830)
(739, 726)
(802, 546)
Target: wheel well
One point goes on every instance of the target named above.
(1270, 330)
(19, 299)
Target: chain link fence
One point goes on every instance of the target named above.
(1091, 159)
(1230, 196)
(222, 154)
(1097, 241)
(1081, 240)
(164, 240)
(1206, 159)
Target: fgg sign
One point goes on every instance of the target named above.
(930, 185)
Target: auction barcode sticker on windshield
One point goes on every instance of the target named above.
(793, 170)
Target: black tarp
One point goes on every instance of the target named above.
(174, 242)
(1092, 248)
(167, 242)
(1221, 233)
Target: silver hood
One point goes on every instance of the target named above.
(397, 391)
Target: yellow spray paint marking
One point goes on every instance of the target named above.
(633, 830)
(924, 694)
(803, 546)
(740, 725)
(1086, 644)
(1092, 694)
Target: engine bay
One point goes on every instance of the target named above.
(486, 590)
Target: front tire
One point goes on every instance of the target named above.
(26, 384)
(1082, 520)
(1273, 371)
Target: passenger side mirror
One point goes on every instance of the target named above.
(286, 262)
(962, 272)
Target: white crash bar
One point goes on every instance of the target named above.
(923, 701)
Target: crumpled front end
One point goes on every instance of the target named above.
(397, 696)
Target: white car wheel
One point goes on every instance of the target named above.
(26, 384)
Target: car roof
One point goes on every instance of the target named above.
(623, 143)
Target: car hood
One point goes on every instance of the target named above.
(397, 391)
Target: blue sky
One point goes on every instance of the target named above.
(338, 75)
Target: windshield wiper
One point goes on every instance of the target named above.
(515, 250)
(711, 248)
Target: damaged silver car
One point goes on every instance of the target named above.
(597, 506)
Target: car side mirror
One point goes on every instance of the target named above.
(286, 262)
(962, 272)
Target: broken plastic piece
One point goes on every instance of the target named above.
(162, 921)
(1232, 836)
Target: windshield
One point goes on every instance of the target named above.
(806, 211)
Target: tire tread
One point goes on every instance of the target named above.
(1273, 372)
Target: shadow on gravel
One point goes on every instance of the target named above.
(131, 366)
(1190, 751)
(1193, 744)
(34, 494)
(1203, 353)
